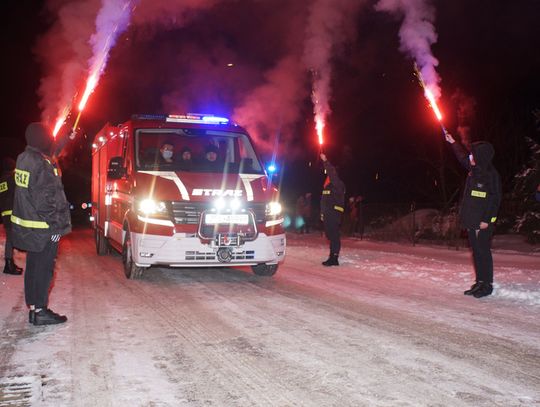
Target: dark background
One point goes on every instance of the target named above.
(381, 133)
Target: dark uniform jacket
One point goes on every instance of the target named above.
(333, 194)
(482, 194)
(40, 207)
(7, 190)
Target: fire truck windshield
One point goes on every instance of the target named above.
(195, 150)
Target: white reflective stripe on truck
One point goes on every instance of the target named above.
(172, 176)
(246, 180)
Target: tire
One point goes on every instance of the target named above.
(131, 270)
(102, 244)
(265, 269)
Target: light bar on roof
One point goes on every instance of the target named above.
(149, 117)
(196, 118)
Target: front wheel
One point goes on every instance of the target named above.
(131, 270)
(265, 269)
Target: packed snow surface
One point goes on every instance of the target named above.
(389, 327)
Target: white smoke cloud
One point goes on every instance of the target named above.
(63, 53)
(330, 25)
(274, 107)
(417, 34)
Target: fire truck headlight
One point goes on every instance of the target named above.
(219, 203)
(151, 207)
(235, 204)
(273, 209)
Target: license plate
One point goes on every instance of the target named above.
(220, 219)
(229, 240)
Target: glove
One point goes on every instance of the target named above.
(55, 238)
(449, 138)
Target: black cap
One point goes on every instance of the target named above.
(210, 148)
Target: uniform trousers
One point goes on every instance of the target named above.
(38, 275)
(332, 221)
(8, 248)
(480, 241)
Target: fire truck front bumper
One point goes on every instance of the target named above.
(183, 250)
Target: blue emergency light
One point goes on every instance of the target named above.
(215, 119)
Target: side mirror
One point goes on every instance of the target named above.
(116, 169)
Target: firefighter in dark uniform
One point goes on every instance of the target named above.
(478, 210)
(40, 217)
(332, 208)
(7, 190)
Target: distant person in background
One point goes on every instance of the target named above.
(39, 219)
(332, 208)
(299, 221)
(7, 191)
(350, 217)
(308, 212)
(537, 194)
(303, 213)
(478, 210)
(359, 227)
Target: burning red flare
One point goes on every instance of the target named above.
(433, 103)
(58, 125)
(90, 86)
(319, 126)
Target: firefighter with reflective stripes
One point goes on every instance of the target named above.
(7, 190)
(332, 208)
(478, 210)
(40, 217)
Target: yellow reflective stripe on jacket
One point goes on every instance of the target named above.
(22, 178)
(3, 186)
(6, 213)
(493, 219)
(326, 192)
(339, 208)
(36, 224)
(478, 194)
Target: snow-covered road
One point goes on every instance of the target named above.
(389, 327)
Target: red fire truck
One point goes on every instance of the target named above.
(210, 204)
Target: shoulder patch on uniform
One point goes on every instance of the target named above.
(3, 186)
(22, 178)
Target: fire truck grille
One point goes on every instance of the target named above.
(188, 213)
(211, 256)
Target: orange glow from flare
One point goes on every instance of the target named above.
(90, 86)
(319, 125)
(433, 103)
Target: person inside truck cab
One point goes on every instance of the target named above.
(185, 161)
(211, 161)
(166, 153)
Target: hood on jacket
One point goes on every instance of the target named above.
(38, 136)
(483, 153)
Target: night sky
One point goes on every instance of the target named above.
(381, 133)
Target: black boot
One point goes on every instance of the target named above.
(12, 268)
(332, 261)
(484, 290)
(473, 288)
(45, 316)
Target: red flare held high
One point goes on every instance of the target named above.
(319, 126)
(430, 97)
